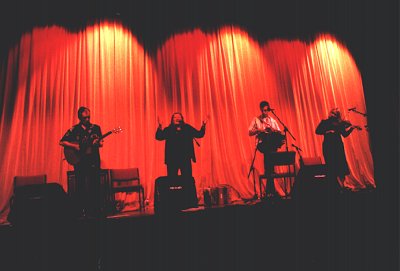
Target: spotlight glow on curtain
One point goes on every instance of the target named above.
(221, 77)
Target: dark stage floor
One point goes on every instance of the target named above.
(304, 233)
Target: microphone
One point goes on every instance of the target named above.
(271, 109)
(352, 109)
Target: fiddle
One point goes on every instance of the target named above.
(348, 124)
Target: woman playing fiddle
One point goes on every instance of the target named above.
(333, 128)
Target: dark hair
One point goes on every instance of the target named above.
(81, 110)
(263, 104)
(335, 113)
(177, 113)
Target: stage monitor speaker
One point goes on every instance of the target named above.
(312, 167)
(39, 203)
(174, 194)
(311, 178)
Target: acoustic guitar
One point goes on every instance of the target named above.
(73, 156)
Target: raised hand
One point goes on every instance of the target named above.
(204, 122)
(159, 123)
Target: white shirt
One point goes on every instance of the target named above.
(264, 123)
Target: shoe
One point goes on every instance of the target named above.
(271, 195)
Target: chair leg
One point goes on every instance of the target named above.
(143, 205)
(262, 187)
(141, 200)
(114, 204)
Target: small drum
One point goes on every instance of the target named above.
(270, 142)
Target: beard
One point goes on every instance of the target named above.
(86, 124)
(178, 123)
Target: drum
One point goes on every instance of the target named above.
(269, 142)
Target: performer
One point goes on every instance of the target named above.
(263, 126)
(179, 150)
(333, 129)
(84, 138)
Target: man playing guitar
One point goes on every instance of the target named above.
(84, 138)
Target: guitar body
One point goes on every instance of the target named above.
(72, 156)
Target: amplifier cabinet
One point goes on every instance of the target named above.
(175, 193)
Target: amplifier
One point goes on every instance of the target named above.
(175, 193)
(39, 203)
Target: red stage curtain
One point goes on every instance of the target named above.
(220, 77)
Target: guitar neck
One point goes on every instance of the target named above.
(105, 135)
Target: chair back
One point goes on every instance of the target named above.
(126, 177)
(29, 180)
(282, 158)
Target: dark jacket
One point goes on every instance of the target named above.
(179, 144)
(332, 146)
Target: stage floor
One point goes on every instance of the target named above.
(295, 234)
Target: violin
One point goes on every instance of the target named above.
(348, 124)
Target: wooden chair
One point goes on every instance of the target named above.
(20, 181)
(26, 188)
(282, 159)
(126, 180)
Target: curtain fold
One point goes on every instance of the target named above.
(219, 77)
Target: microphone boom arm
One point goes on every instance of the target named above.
(358, 112)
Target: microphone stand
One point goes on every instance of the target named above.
(298, 150)
(358, 112)
(252, 170)
(286, 131)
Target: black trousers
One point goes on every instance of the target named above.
(185, 166)
(268, 170)
(88, 187)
